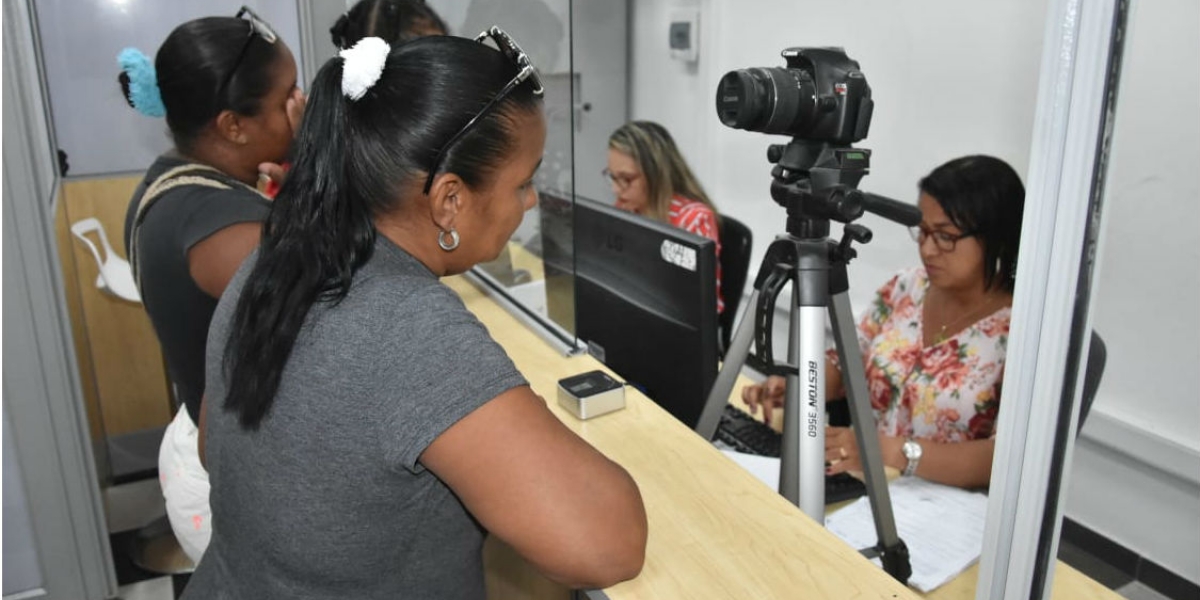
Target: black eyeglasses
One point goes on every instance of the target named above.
(258, 27)
(525, 72)
(621, 180)
(944, 241)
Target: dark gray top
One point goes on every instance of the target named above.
(178, 309)
(327, 499)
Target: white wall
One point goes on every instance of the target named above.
(952, 78)
(948, 78)
(1136, 476)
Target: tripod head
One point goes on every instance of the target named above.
(817, 182)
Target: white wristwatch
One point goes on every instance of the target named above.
(912, 452)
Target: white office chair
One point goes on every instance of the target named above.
(116, 276)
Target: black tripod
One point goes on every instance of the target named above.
(816, 183)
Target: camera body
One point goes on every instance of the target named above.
(821, 96)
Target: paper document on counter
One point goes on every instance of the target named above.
(941, 525)
(763, 468)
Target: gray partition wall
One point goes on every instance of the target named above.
(55, 545)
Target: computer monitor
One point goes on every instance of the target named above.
(646, 304)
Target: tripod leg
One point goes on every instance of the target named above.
(891, 549)
(735, 358)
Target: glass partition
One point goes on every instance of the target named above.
(543, 29)
(948, 80)
(580, 49)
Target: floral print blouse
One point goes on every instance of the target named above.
(948, 392)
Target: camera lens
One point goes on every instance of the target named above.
(768, 100)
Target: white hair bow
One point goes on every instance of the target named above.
(362, 64)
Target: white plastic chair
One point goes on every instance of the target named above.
(116, 276)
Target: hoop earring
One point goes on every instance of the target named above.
(452, 244)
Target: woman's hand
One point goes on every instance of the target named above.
(768, 394)
(842, 453)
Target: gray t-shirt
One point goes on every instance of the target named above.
(327, 498)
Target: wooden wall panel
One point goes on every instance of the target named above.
(83, 354)
(126, 360)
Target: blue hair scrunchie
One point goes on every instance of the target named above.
(143, 82)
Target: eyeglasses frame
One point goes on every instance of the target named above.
(918, 233)
(621, 181)
(258, 27)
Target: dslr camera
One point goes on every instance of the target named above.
(821, 95)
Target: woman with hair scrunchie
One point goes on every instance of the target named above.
(362, 429)
(227, 88)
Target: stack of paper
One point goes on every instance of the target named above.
(941, 525)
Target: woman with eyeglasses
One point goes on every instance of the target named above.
(934, 339)
(362, 430)
(650, 177)
(227, 88)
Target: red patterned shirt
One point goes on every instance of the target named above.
(948, 392)
(696, 217)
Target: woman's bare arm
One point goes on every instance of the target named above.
(214, 260)
(962, 464)
(570, 511)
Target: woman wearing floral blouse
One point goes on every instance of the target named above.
(934, 338)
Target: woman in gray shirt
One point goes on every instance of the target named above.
(362, 430)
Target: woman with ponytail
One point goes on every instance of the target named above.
(362, 430)
(227, 88)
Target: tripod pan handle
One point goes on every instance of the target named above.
(892, 210)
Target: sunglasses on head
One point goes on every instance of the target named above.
(525, 72)
(258, 27)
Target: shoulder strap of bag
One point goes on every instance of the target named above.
(189, 174)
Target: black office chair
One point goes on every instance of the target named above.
(736, 241)
(1093, 371)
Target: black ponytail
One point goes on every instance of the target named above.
(339, 34)
(354, 161)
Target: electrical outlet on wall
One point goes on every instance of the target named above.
(683, 34)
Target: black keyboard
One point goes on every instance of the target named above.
(744, 433)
